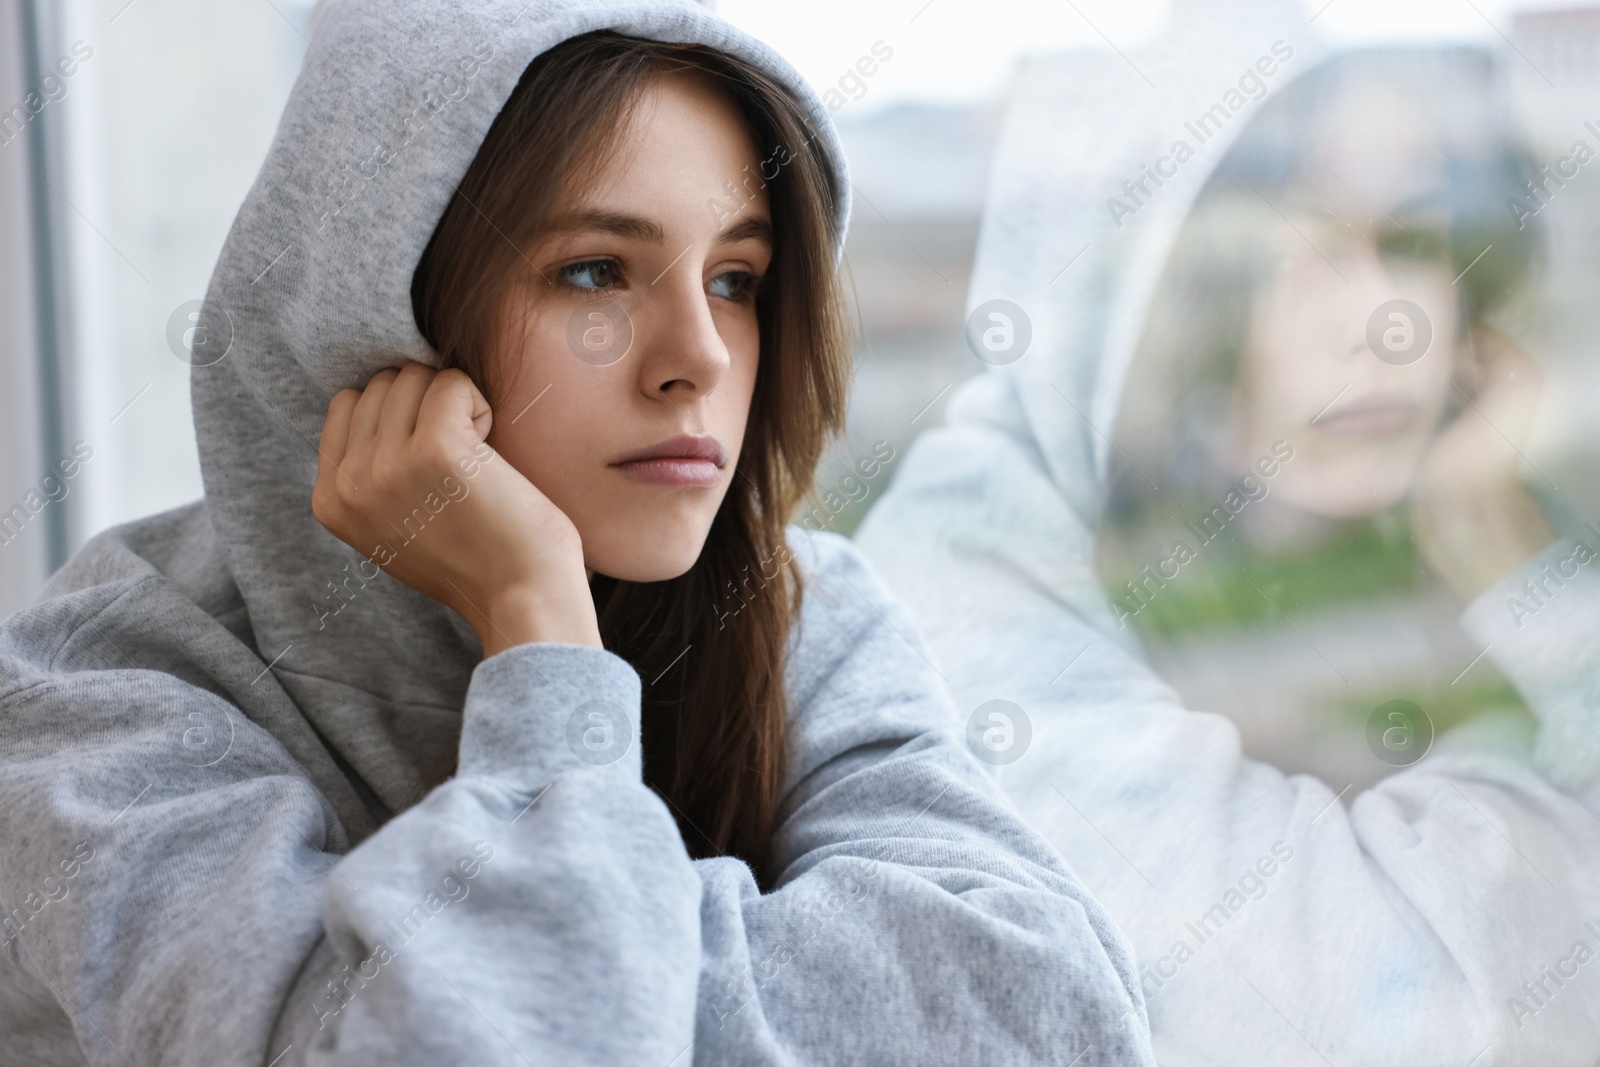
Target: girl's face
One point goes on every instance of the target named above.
(632, 354)
(1359, 237)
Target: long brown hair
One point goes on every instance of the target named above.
(713, 732)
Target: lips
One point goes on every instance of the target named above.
(684, 460)
(1371, 416)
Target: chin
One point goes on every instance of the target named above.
(644, 552)
(1348, 494)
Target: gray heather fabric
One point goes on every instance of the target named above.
(215, 846)
(1406, 920)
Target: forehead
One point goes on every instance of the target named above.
(683, 144)
(1375, 154)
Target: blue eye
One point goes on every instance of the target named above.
(590, 274)
(734, 285)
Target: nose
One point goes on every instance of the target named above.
(683, 353)
(1367, 286)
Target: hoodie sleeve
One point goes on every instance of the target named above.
(1433, 918)
(540, 907)
(1541, 626)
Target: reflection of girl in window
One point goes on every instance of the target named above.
(1320, 422)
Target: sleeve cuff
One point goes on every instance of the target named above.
(1541, 610)
(1541, 626)
(537, 711)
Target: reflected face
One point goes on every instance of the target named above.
(634, 352)
(1349, 243)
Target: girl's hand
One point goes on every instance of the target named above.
(405, 474)
(1474, 521)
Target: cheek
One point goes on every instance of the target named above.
(1284, 377)
(549, 404)
(1434, 374)
(742, 337)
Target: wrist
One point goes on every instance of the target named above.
(522, 615)
(1475, 538)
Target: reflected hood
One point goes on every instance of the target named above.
(1099, 161)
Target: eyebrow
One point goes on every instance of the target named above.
(747, 229)
(637, 228)
(1422, 204)
(632, 227)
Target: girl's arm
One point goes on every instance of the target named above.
(539, 907)
(1271, 914)
(915, 919)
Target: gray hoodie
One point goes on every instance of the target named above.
(1449, 915)
(216, 842)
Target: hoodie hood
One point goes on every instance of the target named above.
(1101, 156)
(1100, 162)
(312, 294)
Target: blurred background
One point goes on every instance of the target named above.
(130, 131)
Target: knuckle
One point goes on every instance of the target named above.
(343, 497)
(388, 475)
(325, 507)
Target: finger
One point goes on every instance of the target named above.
(364, 422)
(331, 449)
(399, 417)
(453, 408)
(482, 418)
(336, 427)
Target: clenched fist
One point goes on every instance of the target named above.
(405, 476)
